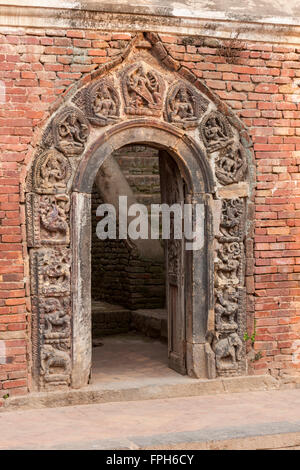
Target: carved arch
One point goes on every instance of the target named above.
(211, 155)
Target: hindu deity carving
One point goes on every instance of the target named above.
(50, 270)
(232, 219)
(143, 91)
(226, 309)
(70, 131)
(215, 132)
(228, 264)
(230, 165)
(56, 318)
(183, 106)
(54, 211)
(51, 173)
(102, 103)
(229, 288)
(47, 219)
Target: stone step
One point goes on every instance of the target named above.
(142, 389)
(109, 319)
(150, 322)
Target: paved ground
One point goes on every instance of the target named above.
(268, 419)
(131, 358)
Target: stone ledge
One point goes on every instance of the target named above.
(127, 391)
(211, 23)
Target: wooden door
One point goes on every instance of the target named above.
(172, 192)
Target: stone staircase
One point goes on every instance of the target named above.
(109, 319)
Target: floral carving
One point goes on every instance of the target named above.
(184, 106)
(143, 91)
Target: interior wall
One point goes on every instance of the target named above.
(119, 275)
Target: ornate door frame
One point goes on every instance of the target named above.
(138, 103)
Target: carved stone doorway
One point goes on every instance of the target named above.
(186, 331)
(140, 102)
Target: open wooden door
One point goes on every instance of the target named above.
(172, 192)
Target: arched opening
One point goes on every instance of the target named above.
(188, 283)
(129, 315)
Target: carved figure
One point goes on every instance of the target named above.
(51, 359)
(53, 215)
(142, 91)
(231, 165)
(51, 172)
(183, 106)
(216, 132)
(71, 130)
(57, 320)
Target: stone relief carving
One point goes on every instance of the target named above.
(47, 219)
(215, 132)
(230, 165)
(229, 263)
(55, 365)
(50, 271)
(143, 91)
(231, 225)
(51, 173)
(57, 318)
(48, 207)
(52, 351)
(102, 103)
(229, 289)
(70, 131)
(228, 351)
(226, 309)
(184, 106)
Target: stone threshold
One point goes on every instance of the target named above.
(144, 389)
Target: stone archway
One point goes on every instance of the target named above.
(140, 102)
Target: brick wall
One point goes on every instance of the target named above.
(259, 83)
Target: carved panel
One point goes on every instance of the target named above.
(184, 106)
(229, 289)
(47, 219)
(50, 271)
(50, 173)
(230, 165)
(143, 91)
(215, 132)
(100, 102)
(70, 131)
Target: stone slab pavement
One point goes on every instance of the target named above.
(262, 419)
